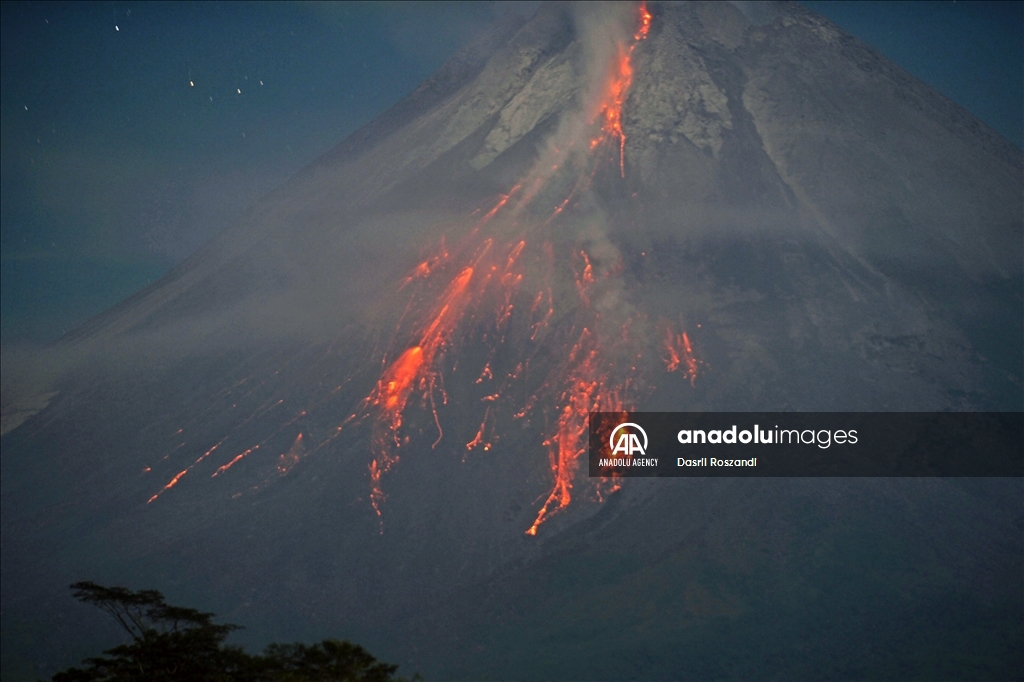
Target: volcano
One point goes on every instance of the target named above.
(361, 411)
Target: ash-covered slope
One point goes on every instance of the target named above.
(360, 411)
(767, 151)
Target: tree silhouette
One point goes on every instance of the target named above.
(179, 643)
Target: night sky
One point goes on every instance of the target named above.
(133, 132)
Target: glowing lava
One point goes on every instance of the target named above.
(414, 370)
(679, 355)
(583, 382)
(500, 287)
(587, 392)
(616, 90)
(645, 23)
(174, 481)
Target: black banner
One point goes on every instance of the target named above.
(807, 444)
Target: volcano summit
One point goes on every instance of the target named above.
(362, 410)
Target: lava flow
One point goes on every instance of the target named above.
(679, 355)
(587, 391)
(583, 384)
(498, 287)
(617, 88)
(414, 370)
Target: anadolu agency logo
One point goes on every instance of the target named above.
(628, 442)
(624, 440)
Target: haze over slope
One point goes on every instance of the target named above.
(361, 409)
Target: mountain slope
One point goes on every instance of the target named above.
(359, 412)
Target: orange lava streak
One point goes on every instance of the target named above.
(398, 382)
(427, 267)
(413, 371)
(691, 362)
(584, 281)
(542, 323)
(587, 392)
(679, 355)
(486, 374)
(377, 495)
(391, 396)
(238, 458)
(479, 440)
(174, 481)
(513, 256)
(617, 89)
(645, 23)
(501, 202)
(444, 321)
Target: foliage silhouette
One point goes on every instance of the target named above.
(179, 643)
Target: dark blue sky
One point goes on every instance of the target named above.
(132, 132)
